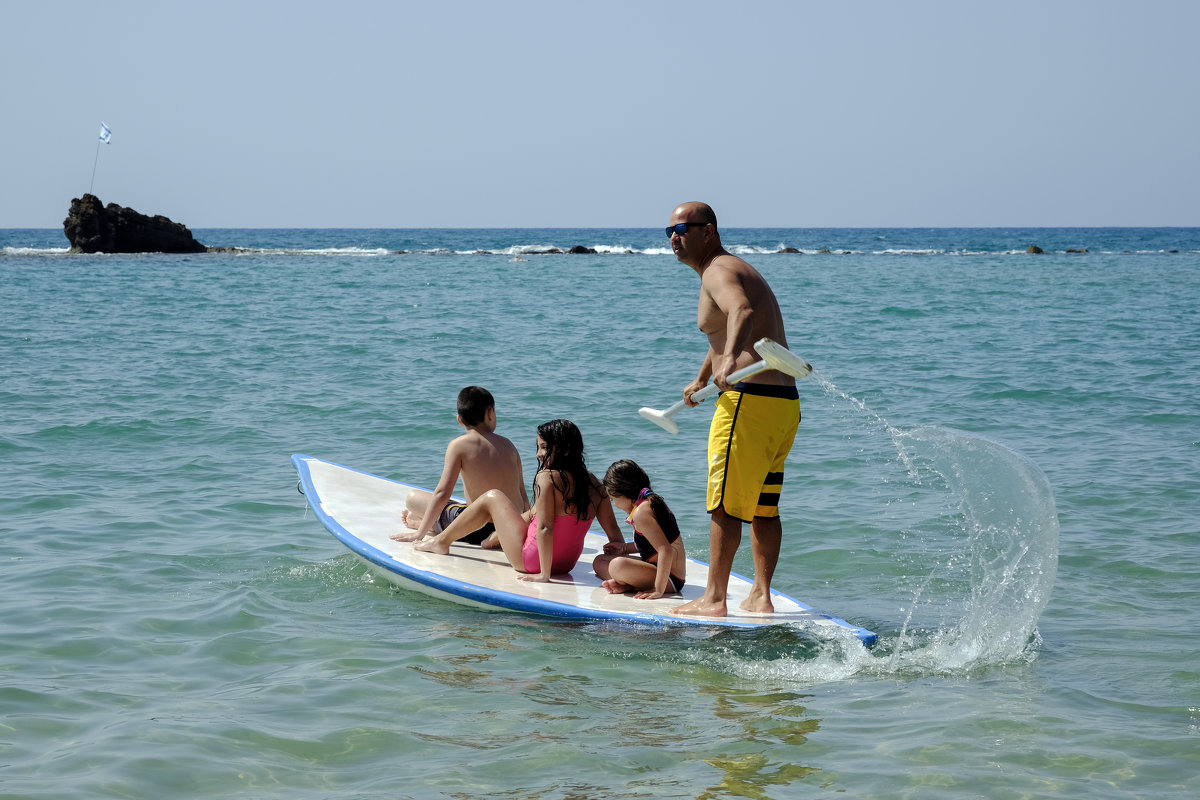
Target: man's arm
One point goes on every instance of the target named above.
(724, 286)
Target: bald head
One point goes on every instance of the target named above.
(696, 211)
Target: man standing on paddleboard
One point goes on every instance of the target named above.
(755, 420)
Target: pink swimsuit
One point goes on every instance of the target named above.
(568, 544)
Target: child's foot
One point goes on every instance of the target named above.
(406, 536)
(409, 535)
(614, 586)
(430, 544)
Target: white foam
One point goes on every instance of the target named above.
(36, 251)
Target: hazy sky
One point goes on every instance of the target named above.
(546, 114)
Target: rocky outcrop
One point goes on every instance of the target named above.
(1033, 248)
(92, 227)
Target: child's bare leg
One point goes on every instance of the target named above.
(511, 537)
(601, 563)
(492, 507)
(416, 505)
(633, 573)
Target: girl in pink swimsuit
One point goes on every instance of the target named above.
(564, 493)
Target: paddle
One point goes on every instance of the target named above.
(774, 356)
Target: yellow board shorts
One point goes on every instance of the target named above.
(750, 437)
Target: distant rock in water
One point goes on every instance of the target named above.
(581, 250)
(1033, 248)
(92, 227)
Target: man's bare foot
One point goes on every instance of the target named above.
(492, 542)
(701, 607)
(614, 586)
(430, 544)
(758, 602)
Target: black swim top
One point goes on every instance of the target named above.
(670, 530)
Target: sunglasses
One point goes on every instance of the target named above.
(682, 227)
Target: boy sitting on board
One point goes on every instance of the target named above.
(484, 459)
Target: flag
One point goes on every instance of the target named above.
(105, 134)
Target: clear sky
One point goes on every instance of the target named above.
(547, 114)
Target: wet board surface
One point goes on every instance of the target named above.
(363, 510)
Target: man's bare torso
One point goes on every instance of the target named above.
(767, 320)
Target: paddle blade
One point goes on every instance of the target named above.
(780, 358)
(660, 419)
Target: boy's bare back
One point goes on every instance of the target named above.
(486, 461)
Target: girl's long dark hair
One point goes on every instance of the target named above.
(564, 453)
(627, 479)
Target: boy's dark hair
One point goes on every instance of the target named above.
(473, 405)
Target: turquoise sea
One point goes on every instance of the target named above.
(998, 471)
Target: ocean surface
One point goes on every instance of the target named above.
(998, 470)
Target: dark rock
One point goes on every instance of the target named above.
(95, 228)
(1033, 248)
(581, 250)
(789, 250)
(824, 251)
(1077, 249)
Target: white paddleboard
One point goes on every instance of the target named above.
(363, 510)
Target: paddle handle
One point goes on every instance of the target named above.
(711, 389)
(774, 356)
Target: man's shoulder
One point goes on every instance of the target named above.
(727, 266)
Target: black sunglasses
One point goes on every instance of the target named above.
(682, 227)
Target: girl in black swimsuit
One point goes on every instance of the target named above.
(661, 569)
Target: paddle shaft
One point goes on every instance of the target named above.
(711, 389)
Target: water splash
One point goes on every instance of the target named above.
(977, 563)
(983, 558)
(998, 554)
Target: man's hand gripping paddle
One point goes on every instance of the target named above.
(774, 356)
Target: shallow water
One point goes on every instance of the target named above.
(996, 471)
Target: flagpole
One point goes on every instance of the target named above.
(94, 163)
(105, 138)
